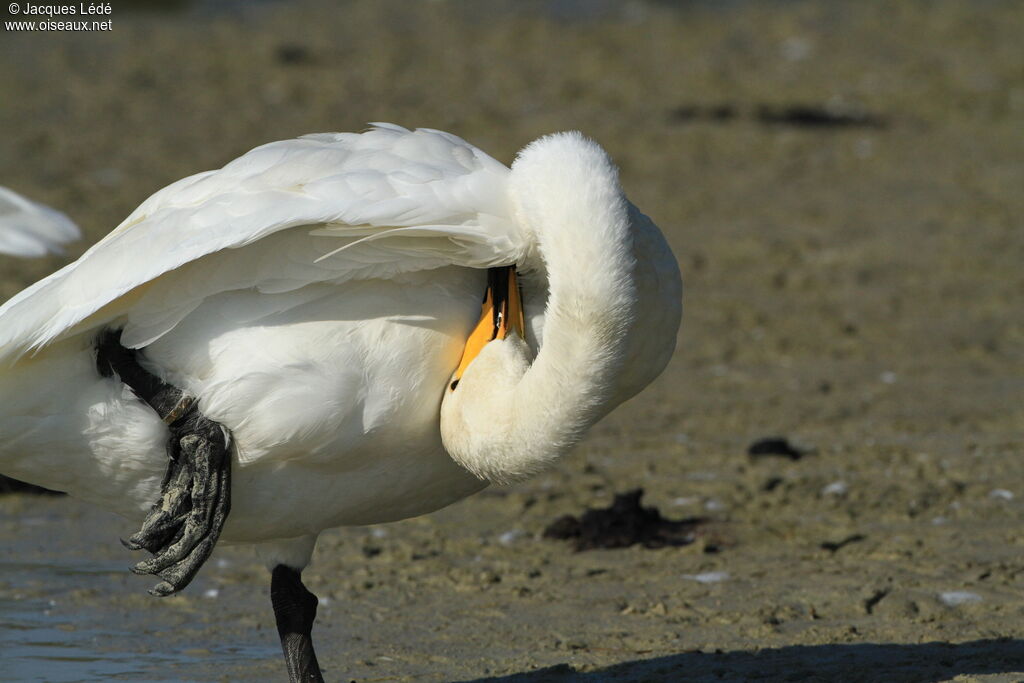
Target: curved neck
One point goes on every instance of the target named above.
(510, 417)
(591, 301)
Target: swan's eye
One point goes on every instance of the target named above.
(454, 384)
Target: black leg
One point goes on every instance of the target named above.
(182, 528)
(295, 610)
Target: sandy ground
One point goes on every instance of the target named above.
(855, 288)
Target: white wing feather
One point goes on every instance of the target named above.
(274, 220)
(28, 228)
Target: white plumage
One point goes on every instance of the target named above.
(316, 295)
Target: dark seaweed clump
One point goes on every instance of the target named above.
(623, 524)
(8, 485)
(775, 446)
(809, 116)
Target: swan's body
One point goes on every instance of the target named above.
(332, 368)
(325, 401)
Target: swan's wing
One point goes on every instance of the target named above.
(273, 219)
(28, 228)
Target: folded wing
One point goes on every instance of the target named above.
(321, 208)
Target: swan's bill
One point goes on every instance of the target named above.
(502, 312)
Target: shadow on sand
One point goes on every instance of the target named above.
(920, 663)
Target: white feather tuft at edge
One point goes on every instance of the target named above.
(30, 229)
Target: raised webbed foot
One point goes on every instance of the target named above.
(182, 528)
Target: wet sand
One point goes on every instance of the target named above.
(842, 186)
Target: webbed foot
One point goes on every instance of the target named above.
(182, 528)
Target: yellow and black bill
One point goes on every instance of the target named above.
(502, 312)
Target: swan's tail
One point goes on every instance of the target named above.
(28, 228)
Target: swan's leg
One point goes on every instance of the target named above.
(182, 528)
(295, 610)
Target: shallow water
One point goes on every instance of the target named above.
(37, 645)
(70, 610)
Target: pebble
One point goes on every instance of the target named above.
(836, 488)
(708, 577)
(511, 536)
(957, 598)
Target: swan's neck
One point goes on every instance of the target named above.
(509, 416)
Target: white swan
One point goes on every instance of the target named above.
(316, 295)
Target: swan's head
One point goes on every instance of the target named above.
(605, 293)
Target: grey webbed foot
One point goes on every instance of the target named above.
(182, 528)
(167, 515)
(190, 536)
